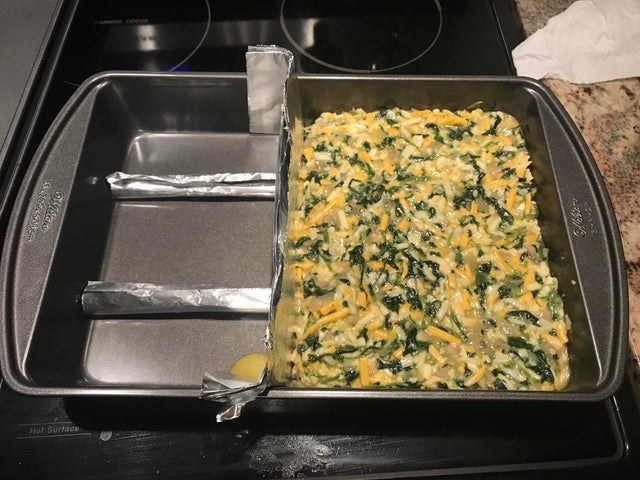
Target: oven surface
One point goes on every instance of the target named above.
(103, 437)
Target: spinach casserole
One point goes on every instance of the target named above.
(415, 256)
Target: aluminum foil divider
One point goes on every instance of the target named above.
(119, 298)
(268, 70)
(139, 186)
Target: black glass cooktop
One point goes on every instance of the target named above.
(115, 438)
(149, 438)
(352, 36)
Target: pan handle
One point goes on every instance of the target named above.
(38, 214)
(595, 244)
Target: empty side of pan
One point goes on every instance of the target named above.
(67, 229)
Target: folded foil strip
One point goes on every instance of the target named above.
(251, 184)
(113, 298)
(268, 67)
(235, 393)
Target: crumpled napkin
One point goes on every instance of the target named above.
(592, 41)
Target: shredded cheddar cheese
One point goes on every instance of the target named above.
(416, 258)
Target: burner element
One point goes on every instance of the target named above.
(181, 66)
(145, 35)
(357, 36)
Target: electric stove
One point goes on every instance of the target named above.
(116, 437)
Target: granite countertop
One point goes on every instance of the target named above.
(608, 115)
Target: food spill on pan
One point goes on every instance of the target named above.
(414, 257)
(249, 367)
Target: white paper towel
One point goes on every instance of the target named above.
(592, 41)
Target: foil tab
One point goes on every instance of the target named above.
(113, 298)
(235, 393)
(268, 68)
(134, 186)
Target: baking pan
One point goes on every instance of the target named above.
(66, 230)
(577, 221)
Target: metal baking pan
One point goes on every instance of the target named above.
(577, 221)
(66, 230)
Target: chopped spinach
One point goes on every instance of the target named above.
(385, 114)
(493, 129)
(315, 176)
(436, 132)
(350, 374)
(355, 160)
(394, 365)
(458, 325)
(312, 342)
(424, 158)
(434, 268)
(499, 384)
(483, 280)
(365, 194)
(457, 133)
(386, 142)
(321, 147)
(522, 315)
(467, 220)
(310, 288)
(504, 292)
(392, 302)
(471, 192)
(432, 308)
(490, 321)
(502, 212)
(364, 333)
(298, 243)
(356, 256)
(411, 344)
(413, 298)
(519, 342)
(541, 368)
